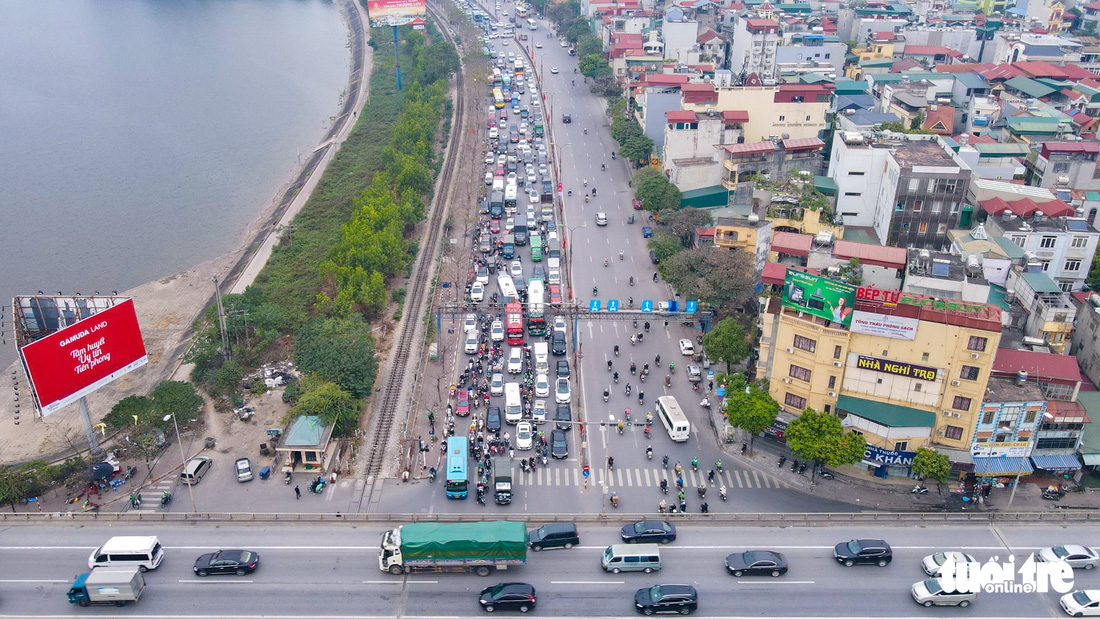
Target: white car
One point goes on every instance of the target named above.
(489, 177)
(554, 70)
(496, 331)
(533, 197)
(489, 158)
(933, 564)
(1077, 556)
(538, 45)
(511, 179)
(482, 275)
(542, 386)
(554, 276)
(562, 393)
(496, 384)
(687, 349)
(510, 224)
(1083, 603)
(559, 324)
(471, 345)
(493, 133)
(515, 360)
(515, 269)
(564, 44)
(538, 413)
(477, 292)
(525, 436)
(469, 322)
(531, 178)
(601, 219)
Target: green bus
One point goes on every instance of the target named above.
(536, 248)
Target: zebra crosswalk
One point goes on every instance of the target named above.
(625, 477)
(150, 494)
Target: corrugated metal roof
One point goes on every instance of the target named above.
(1001, 466)
(890, 415)
(749, 148)
(803, 144)
(1060, 462)
(1036, 364)
(1041, 283)
(866, 253)
(792, 243)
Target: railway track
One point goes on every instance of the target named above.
(405, 344)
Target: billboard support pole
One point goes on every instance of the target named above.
(93, 443)
(397, 56)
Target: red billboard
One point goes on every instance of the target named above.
(75, 361)
(395, 12)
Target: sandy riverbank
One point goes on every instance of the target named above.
(168, 307)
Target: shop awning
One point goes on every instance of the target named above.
(1091, 459)
(889, 415)
(957, 456)
(1002, 466)
(1060, 462)
(715, 195)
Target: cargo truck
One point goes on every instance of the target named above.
(453, 547)
(108, 585)
(502, 480)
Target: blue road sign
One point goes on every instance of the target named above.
(673, 306)
(613, 305)
(690, 306)
(594, 305)
(647, 306)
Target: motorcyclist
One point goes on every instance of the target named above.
(603, 166)
(630, 301)
(586, 130)
(621, 257)
(633, 368)
(632, 281)
(586, 180)
(657, 360)
(609, 365)
(649, 451)
(616, 350)
(605, 260)
(595, 291)
(616, 377)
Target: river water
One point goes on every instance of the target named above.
(140, 137)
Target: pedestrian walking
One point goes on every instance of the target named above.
(297, 492)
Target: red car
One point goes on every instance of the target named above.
(499, 171)
(503, 116)
(637, 205)
(555, 294)
(462, 408)
(494, 226)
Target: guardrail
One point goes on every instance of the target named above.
(757, 519)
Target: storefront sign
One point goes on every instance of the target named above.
(893, 298)
(877, 456)
(882, 325)
(819, 296)
(897, 368)
(1005, 449)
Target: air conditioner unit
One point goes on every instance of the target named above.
(952, 414)
(832, 394)
(838, 364)
(955, 383)
(975, 355)
(787, 380)
(790, 350)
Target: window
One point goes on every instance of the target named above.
(950, 185)
(836, 352)
(924, 356)
(977, 343)
(953, 432)
(969, 372)
(856, 173)
(918, 205)
(900, 207)
(804, 343)
(901, 446)
(1066, 286)
(1079, 242)
(795, 401)
(940, 229)
(853, 193)
(987, 419)
(1048, 242)
(832, 382)
(961, 403)
(1046, 265)
(937, 206)
(914, 185)
(807, 118)
(1009, 416)
(1019, 240)
(1072, 265)
(923, 227)
(827, 54)
(782, 118)
(1029, 417)
(1068, 442)
(800, 373)
(916, 387)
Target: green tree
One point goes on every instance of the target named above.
(721, 279)
(931, 464)
(608, 87)
(578, 29)
(124, 412)
(638, 148)
(589, 46)
(622, 129)
(327, 400)
(227, 379)
(685, 221)
(1093, 278)
(339, 350)
(657, 194)
(664, 246)
(177, 398)
(749, 407)
(727, 342)
(820, 437)
(593, 66)
(18, 483)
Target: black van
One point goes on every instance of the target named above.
(653, 257)
(554, 535)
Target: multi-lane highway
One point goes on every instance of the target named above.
(332, 571)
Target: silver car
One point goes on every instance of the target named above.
(243, 467)
(1076, 555)
(931, 592)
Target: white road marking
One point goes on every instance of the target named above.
(30, 580)
(191, 581)
(588, 582)
(774, 582)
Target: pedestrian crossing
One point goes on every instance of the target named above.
(625, 477)
(150, 495)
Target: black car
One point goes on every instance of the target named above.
(567, 118)
(492, 419)
(863, 552)
(559, 446)
(239, 562)
(557, 344)
(756, 563)
(649, 531)
(681, 599)
(508, 596)
(563, 368)
(563, 416)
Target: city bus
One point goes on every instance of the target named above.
(673, 418)
(511, 193)
(513, 314)
(536, 248)
(508, 293)
(521, 12)
(498, 98)
(536, 308)
(458, 480)
(531, 25)
(517, 67)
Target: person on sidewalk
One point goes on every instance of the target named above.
(297, 492)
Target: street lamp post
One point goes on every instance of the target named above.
(183, 459)
(1031, 445)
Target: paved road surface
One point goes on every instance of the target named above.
(331, 571)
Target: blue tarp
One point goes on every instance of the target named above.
(1062, 462)
(1001, 466)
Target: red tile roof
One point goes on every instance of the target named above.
(757, 23)
(941, 120)
(1026, 207)
(1001, 72)
(776, 274)
(1077, 74)
(735, 116)
(1038, 365)
(749, 148)
(963, 67)
(803, 144)
(1067, 412)
(884, 36)
(698, 87)
(666, 79)
(1038, 68)
(868, 253)
(709, 35)
(1069, 147)
(680, 116)
(792, 243)
(925, 50)
(905, 64)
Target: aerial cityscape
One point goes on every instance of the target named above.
(747, 297)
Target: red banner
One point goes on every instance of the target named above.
(75, 361)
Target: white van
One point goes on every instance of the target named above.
(141, 551)
(542, 358)
(631, 558)
(513, 405)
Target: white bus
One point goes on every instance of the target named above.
(672, 416)
(513, 405)
(508, 293)
(532, 25)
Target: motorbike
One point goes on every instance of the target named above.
(823, 474)
(794, 465)
(609, 365)
(744, 446)
(165, 499)
(606, 394)
(919, 489)
(543, 456)
(668, 380)
(649, 453)
(523, 466)
(633, 340)
(613, 155)
(641, 398)
(630, 220)
(705, 403)
(628, 390)
(782, 459)
(603, 166)
(614, 499)
(802, 468)
(1052, 496)
(286, 478)
(722, 493)
(431, 475)
(633, 369)
(642, 377)
(695, 464)
(616, 378)
(657, 360)
(586, 200)
(702, 491)
(317, 486)
(616, 350)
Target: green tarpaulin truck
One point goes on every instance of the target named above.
(107, 585)
(459, 547)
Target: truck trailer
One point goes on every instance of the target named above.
(453, 547)
(502, 480)
(108, 585)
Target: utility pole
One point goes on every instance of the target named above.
(221, 319)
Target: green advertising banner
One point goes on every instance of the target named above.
(819, 296)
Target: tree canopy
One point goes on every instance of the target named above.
(340, 350)
(324, 398)
(655, 192)
(931, 464)
(749, 406)
(722, 279)
(820, 437)
(664, 245)
(685, 221)
(727, 342)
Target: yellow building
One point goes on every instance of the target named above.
(786, 111)
(903, 370)
(751, 235)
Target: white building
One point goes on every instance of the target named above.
(753, 49)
